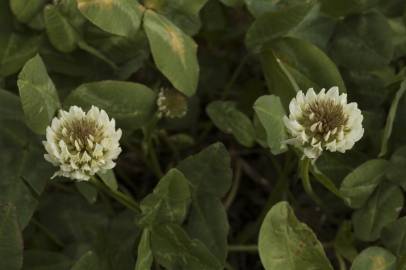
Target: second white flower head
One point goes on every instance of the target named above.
(81, 144)
(323, 121)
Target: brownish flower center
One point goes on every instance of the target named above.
(81, 134)
(81, 129)
(321, 117)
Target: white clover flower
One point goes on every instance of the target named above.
(323, 122)
(81, 144)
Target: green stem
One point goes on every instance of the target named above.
(243, 248)
(234, 77)
(236, 184)
(304, 171)
(117, 195)
(150, 153)
(341, 262)
(154, 160)
(325, 181)
(171, 146)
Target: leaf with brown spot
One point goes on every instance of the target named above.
(177, 45)
(174, 52)
(374, 258)
(183, 13)
(287, 244)
(124, 15)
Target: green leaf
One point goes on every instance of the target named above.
(290, 64)
(110, 236)
(208, 222)
(339, 8)
(33, 157)
(121, 18)
(260, 132)
(60, 32)
(363, 42)
(358, 185)
(394, 236)
(13, 187)
(210, 176)
(398, 28)
(391, 118)
(132, 104)
(337, 166)
(318, 30)
(275, 24)
(45, 260)
(174, 250)
(169, 201)
(184, 14)
(11, 242)
(344, 242)
(10, 106)
(15, 50)
(230, 120)
(144, 257)
(374, 258)
(38, 95)
(259, 7)
(270, 112)
(381, 209)
(89, 261)
(396, 171)
(93, 51)
(174, 52)
(278, 78)
(209, 171)
(88, 191)
(233, 3)
(191, 7)
(287, 244)
(121, 50)
(26, 10)
(309, 65)
(6, 17)
(109, 178)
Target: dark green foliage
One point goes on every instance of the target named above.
(217, 188)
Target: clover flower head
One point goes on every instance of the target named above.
(323, 121)
(82, 144)
(171, 103)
